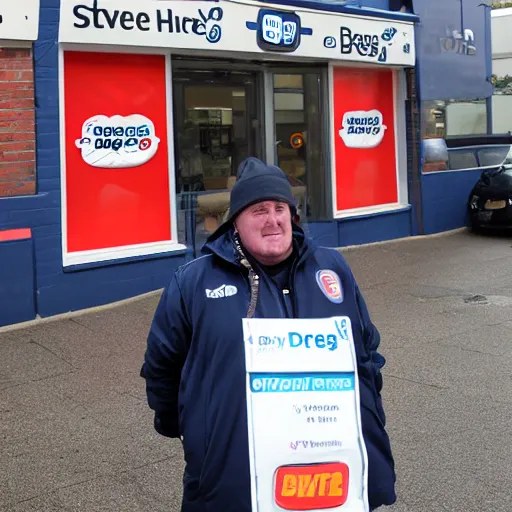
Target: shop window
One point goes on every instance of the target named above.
(462, 155)
(502, 99)
(452, 118)
(300, 141)
(289, 82)
(365, 145)
(118, 197)
(455, 136)
(216, 123)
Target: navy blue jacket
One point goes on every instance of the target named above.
(195, 367)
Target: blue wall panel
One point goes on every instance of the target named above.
(445, 199)
(376, 4)
(445, 70)
(17, 284)
(374, 228)
(89, 288)
(324, 233)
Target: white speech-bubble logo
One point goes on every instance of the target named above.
(362, 129)
(118, 141)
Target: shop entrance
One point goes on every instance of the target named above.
(225, 112)
(301, 140)
(217, 123)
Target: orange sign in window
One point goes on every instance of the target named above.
(312, 487)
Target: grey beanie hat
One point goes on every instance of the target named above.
(256, 181)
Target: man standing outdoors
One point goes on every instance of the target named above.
(257, 264)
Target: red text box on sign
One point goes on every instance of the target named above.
(108, 207)
(312, 487)
(364, 176)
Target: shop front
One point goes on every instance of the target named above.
(161, 100)
(145, 108)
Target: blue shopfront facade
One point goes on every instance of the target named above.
(222, 101)
(454, 90)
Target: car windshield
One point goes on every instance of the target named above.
(506, 165)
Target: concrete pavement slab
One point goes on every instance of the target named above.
(472, 373)
(495, 340)
(151, 487)
(43, 362)
(38, 504)
(450, 449)
(75, 343)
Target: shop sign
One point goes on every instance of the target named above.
(117, 141)
(458, 42)
(237, 27)
(19, 21)
(307, 450)
(362, 129)
(278, 31)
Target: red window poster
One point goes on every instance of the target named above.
(364, 138)
(117, 160)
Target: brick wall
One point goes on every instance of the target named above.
(17, 125)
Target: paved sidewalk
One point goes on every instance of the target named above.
(76, 433)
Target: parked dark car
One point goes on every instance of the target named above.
(490, 201)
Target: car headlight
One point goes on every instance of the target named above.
(474, 202)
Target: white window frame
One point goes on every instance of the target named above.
(127, 251)
(399, 97)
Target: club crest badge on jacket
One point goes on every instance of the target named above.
(330, 284)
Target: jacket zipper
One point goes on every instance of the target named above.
(288, 303)
(292, 297)
(289, 296)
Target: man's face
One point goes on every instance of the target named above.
(265, 229)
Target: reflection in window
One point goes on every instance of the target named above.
(299, 141)
(502, 102)
(438, 157)
(507, 162)
(214, 122)
(216, 127)
(452, 118)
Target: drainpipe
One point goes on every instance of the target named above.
(488, 60)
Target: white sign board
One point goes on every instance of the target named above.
(362, 129)
(237, 27)
(306, 445)
(19, 20)
(118, 142)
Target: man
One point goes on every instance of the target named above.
(258, 264)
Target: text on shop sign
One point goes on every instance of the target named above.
(204, 24)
